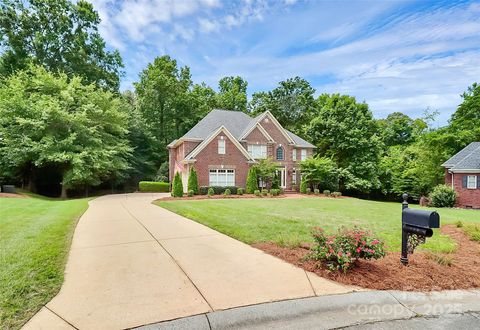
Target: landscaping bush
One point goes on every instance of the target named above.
(316, 191)
(336, 194)
(227, 192)
(191, 193)
(177, 189)
(264, 192)
(203, 190)
(326, 192)
(443, 196)
(240, 191)
(472, 231)
(309, 191)
(275, 192)
(152, 186)
(303, 187)
(193, 181)
(257, 193)
(341, 251)
(252, 180)
(210, 192)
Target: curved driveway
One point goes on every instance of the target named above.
(133, 263)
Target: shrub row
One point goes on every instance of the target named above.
(152, 186)
(217, 190)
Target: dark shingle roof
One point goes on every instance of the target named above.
(237, 123)
(234, 121)
(466, 159)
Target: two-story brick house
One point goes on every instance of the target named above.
(462, 173)
(224, 144)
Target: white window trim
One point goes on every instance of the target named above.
(294, 154)
(216, 183)
(475, 182)
(294, 177)
(303, 154)
(221, 146)
(283, 152)
(263, 151)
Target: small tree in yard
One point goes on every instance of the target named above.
(252, 181)
(443, 196)
(320, 171)
(193, 181)
(177, 188)
(266, 169)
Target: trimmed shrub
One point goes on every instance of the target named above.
(240, 191)
(177, 189)
(336, 194)
(228, 192)
(152, 186)
(303, 187)
(252, 181)
(264, 192)
(443, 196)
(316, 191)
(203, 190)
(210, 192)
(309, 191)
(191, 193)
(257, 193)
(326, 192)
(341, 251)
(193, 181)
(275, 192)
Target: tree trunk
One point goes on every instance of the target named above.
(32, 178)
(64, 191)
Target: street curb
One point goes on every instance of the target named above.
(334, 311)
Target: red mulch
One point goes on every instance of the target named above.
(196, 197)
(421, 274)
(8, 195)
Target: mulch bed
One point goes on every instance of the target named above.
(423, 272)
(8, 195)
(197, 197)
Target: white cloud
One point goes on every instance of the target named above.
(205, 25)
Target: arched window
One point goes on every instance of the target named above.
(280, 153)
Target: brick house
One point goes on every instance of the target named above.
(462, 173)
(224, 144)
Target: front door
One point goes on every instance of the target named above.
(282, 175)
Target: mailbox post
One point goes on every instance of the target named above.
(416, 227)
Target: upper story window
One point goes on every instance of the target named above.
(280, 153)
(294, 154)
(303, 154)
(257, 150)
(472, 182)
(221, 146)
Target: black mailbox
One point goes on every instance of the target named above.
(416, 226)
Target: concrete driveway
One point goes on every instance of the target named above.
(133, 263)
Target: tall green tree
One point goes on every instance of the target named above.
(400, 129)
(60, 35)
(232, 93)
(345, 131)
(291, 103)
(265, 170)
(48, 120)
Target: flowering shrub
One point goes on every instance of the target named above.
(341, 251)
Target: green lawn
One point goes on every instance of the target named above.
(289, 221)
(35, 235)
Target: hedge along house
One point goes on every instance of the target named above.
(224, 144)
(462, 173)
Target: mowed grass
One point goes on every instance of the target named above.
(288, 222)
(35, 236)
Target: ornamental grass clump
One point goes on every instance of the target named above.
(341, 251)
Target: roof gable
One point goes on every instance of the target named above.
(466, 159)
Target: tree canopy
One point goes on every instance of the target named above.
(50, 120)
(59, 35)
(232, 94)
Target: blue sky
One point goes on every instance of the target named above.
(395, 55)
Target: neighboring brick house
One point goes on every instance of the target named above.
(224, 144)
(462, 173)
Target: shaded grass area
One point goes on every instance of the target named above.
(35, 236)
(288, 222)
